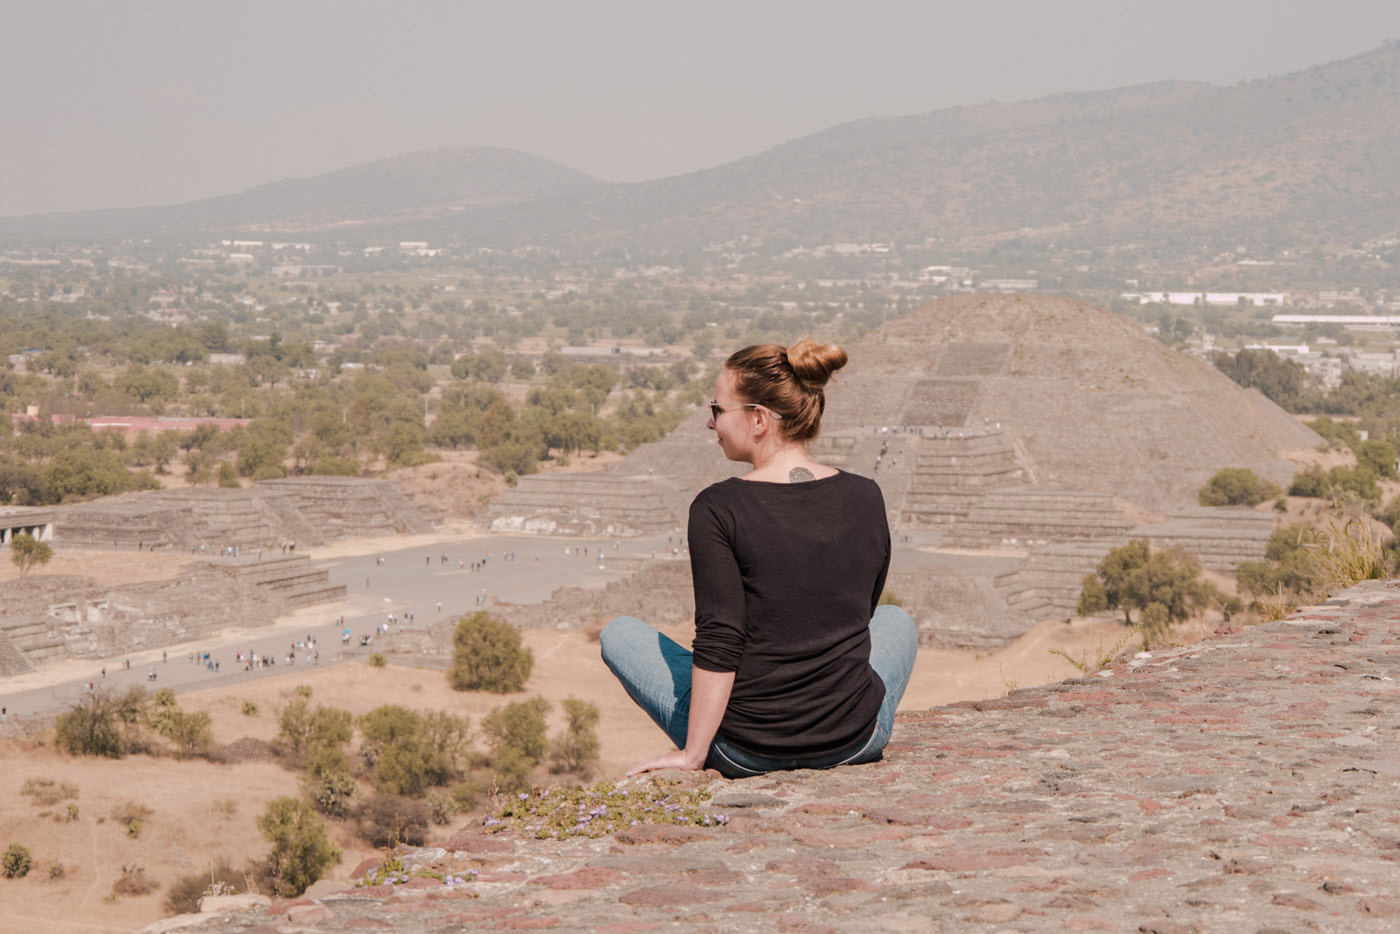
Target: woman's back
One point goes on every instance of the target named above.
(786, 579)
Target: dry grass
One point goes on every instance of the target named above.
(1349, 550)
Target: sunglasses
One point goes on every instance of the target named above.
(717, 409)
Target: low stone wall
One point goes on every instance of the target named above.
(1244, 783)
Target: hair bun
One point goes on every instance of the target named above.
(813, 363)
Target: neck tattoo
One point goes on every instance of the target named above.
(800, 475)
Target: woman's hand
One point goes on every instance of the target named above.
(676, 759)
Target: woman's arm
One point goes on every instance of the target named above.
(709, 696)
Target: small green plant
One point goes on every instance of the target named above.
(393, 872)
(303, 690)
(57, 870)
(1088, 664)
(71, 812)
(16, 861)
(250, 709)
(601, 809)
(132, 816)
(378, 659)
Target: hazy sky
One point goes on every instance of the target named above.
(107, 104)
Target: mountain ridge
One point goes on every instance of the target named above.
(1310, 155)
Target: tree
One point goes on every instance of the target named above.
(1237, 486)
(577, 749)
(300, 850)
(516, 736)
(305, 731)
(94, 725)
(487, 655)
(26, 551)
(1134, 577)
(410, 752)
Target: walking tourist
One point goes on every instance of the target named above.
(793, 664)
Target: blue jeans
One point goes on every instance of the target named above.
(655, 671)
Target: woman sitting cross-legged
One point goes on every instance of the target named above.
(794, 666)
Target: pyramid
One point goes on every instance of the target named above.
(990, 395)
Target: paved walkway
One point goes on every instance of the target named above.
(396, 580)
(1247, 783)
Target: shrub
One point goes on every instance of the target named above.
(333, 466)
(466, 794)
(303, 690)
(1347, 553)
(16, 861)
(442, 806)
(378, 659)
(487, 655)
(304, 731)
(1378, 457)
(94, 726)
(1311, 483)
(191, 732)
(184, 894)
(388, 820)
(133, 882)
(57, 870)
(26, 552)
(1093, 599)
(576, 750)
(330, 784)
(300, 850)
(1357, 483)
(515, 735)
(409, 752)
(1135, 577)
(132, 816)
(1236, 486)
(47, 792)
(250, 709)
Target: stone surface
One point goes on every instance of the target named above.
(1243, 783)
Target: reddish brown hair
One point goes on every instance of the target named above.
(789, 381)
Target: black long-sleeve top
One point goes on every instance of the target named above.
(787, 576)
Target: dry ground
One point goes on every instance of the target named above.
(203, 811)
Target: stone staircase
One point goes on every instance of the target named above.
(1026, 518)
(951, 475)
(13, 661)
(119, 524)
(345, 507)
(1047, 583)
(1220, 538)
(290, 580)
(34, 637)
(595, 504)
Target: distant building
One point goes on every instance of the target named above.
(126, 424)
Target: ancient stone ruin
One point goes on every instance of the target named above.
(47, 617)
